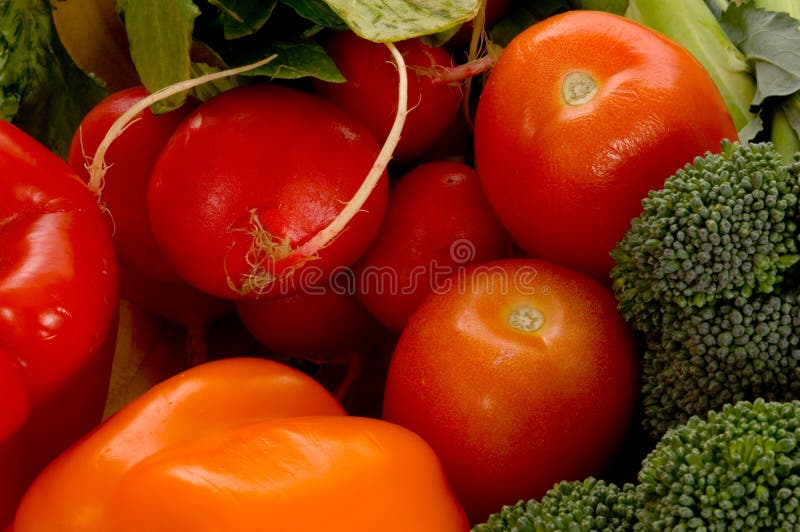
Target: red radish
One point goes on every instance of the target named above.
(324, 326)
(245, 194)
(370, 92)
(130, 161)
(437, 222)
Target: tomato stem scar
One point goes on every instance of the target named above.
(578, 88)
(526, 319)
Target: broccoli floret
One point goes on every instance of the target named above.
(590, 504)
(708, 273)
(737, 469)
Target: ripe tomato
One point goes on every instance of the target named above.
(437, 221)
(370, 93)
(255, 170)
(519, 375)
(583, 114)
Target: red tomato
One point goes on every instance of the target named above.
(583, 114)
(520, 375)
(370, 93)
(437, 221)
(131, 158)
(258, 169)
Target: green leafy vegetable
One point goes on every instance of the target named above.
(521, 15)
(296, 59)
(771, 42)
(243, 17)
(160, 34)
(41, 89)
(317, 12)
(396, 20)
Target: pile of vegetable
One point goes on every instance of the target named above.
(474, 265)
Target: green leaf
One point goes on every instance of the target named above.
(160, 35)
(317, 12)
(241, 18)
(617, 7)
(41, 90)
(398, 20)
(523, 14)
(435, 40)
(209, 90)
(771, 43)
(296, 59)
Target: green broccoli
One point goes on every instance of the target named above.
(573, 506)
(739, 469)
(709, 274)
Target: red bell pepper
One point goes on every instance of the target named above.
(59, 298)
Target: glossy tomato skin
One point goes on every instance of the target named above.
(131, 158)
(261, 157)
(567, 179)
(437, 222)
(59, 298)
(370, 92)
(512, 411)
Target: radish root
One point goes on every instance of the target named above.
(97, 166)
(272, 258)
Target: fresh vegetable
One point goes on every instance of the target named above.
(290, 161)
(129, 162)
(520, 374)
(437, 222)
(617, 109)
(187, 455)
(736, 470)
(370, 92)
(59, 297)
(589, 504)
(692, 24)
(324, 325)
(41, 89)
(708, 272)
(93, 34)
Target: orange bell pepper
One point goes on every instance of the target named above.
(238, 445)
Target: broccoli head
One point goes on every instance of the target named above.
(737, 469)
(590, 504)
(709, 274)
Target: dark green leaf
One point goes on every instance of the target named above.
(296, 59)
(41, 89)
(438, 39)
(398, 20)
(717, 7)
(771, 42)
(523, 14)
(317, 12)
(160, 34)
(617, 7)
(241, 18)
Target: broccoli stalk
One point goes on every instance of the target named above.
(692, 24)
